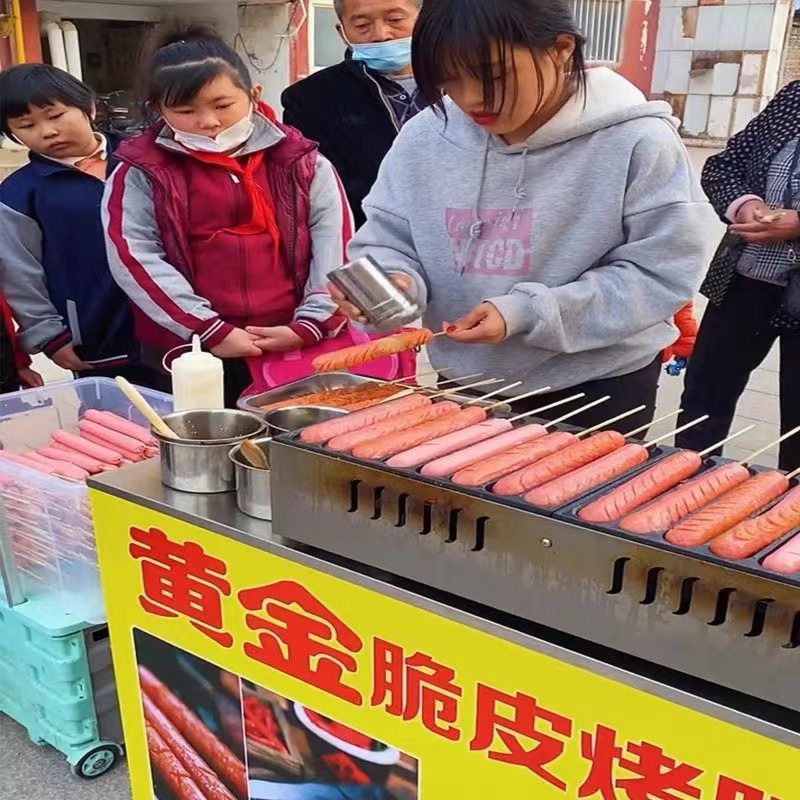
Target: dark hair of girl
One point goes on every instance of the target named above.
(477, 36)
(183, 60)
(39, 86)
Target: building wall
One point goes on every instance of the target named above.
(718, 62)
(791, 63)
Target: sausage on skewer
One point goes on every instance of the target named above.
(748, 537)
(360, 354)
(730, 509)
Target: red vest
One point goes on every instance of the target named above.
(237, 274)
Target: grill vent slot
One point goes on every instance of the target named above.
(353, 496)
(377, 501)
(723, 605)
(759, 618)
(402, 510)
(427, 517)
(480, 534)
(651, 590)
(452, 526)
(687, 591)
(794, 636)
(618, 578)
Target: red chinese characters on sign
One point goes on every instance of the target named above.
(651, 774)
(301, 637)
(526, 722)
(730, 789)
(181, 580)
(416, 685)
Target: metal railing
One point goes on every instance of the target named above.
(602, 23)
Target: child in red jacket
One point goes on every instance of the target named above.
(15, 363)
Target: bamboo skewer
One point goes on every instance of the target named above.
(611, 421)
(457, 389)
(548, 407)
(496, 392)
(768, 447)
(683, 428)
(709, 450)
(653, 422)
(509, 400)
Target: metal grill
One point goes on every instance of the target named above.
(601, 22)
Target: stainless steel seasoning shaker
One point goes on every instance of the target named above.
(368, 287)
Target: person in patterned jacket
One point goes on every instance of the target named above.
(754, 186)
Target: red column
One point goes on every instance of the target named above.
(639, 43)
(30, 31)
(6, 52)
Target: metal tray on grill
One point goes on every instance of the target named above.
(322, 382)
(328, 381)
(752, 565)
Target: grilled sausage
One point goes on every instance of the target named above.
(200, 772)
(451, 443)
(645, 486)
(660, 514)
(359, 354)
(748, 537)
(564, 461)
(482, 453)
(786, 559)
(483, 472)
(169, 767)
(325, 431)
(730, 509)
(571, 486)
(394, 443)
(416, 416)
(225, 763)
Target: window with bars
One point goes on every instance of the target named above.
(602, 23)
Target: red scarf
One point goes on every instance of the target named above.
(262, 218)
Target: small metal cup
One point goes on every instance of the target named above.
(295, 418)
(253, 486)
(370, 289)
(198, 461)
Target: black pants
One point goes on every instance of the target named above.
(237, 379)
(627, 392)
(733, 340)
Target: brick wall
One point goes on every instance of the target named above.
(791, 64)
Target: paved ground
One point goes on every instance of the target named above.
(28, 772)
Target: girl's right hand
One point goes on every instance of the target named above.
(237, 344)
(347, 309)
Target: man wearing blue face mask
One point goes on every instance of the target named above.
(355, 109)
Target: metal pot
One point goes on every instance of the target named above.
(295, 418)
(198, 462)
(253, 486)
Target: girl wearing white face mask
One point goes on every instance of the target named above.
(221, 221)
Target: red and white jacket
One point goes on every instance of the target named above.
(167, 218)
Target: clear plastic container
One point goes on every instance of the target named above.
(47, 519)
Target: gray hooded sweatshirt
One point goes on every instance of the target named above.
(587, 238)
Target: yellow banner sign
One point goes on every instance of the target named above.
(344, 692)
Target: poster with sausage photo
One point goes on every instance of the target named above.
(212, 736)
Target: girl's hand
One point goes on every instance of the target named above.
(769, 226)
(346, 308)
(280, 339)
(483, 325)
(237, 344)
(67, 358)
(30, 379)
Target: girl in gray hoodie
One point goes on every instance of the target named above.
(545, 214)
